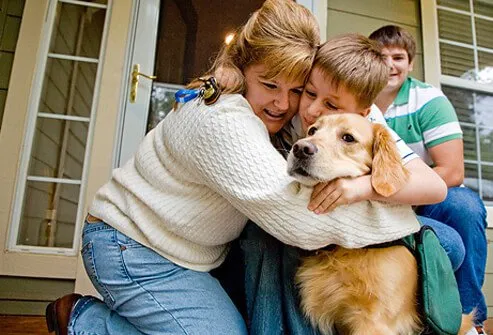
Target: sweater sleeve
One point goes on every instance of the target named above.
(229, 148)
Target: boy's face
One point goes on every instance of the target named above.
(320, 97)
(400, 66)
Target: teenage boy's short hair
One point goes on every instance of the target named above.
(357, 63)
(395, 36)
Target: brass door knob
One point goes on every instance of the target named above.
(135, 81)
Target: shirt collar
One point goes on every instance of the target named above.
(402, 97)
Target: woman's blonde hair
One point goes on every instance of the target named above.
(282, 35)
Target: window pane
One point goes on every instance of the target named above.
(484, 33)
(58, 149)
(457, 4)
(486, 143)
(68, 87)
(162, 100)
(487, 182)
(78, 30)
(49, 214)
(483, 7)
(457, 61)
(483, 106)
(448, 27)
(485, 74)
(471, 176)
(470, 148)
(462, 101)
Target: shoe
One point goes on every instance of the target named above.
(58, 313)
(476, 330)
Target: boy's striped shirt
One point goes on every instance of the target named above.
(423, 117)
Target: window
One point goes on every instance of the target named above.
(466, 52)
(52, 170)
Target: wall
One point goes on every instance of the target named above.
(367, 16)
(10, 22)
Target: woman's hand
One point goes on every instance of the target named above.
(327, 196)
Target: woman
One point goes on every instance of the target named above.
(166, 217)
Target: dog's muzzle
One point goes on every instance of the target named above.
(299, 158)
(304, 149)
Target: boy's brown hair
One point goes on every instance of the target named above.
(395, 36)
(357, 63)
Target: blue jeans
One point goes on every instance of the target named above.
(464, 211)
(144, 293)
(272, 301)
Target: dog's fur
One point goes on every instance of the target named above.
(357, 291)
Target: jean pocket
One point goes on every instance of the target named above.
(87, 253)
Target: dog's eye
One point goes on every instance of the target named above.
(348, 138)
(312, 131)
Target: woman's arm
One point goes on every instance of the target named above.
(424, 187)
(228, 149)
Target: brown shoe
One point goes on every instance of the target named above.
(58, 313)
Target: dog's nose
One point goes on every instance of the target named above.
(304, 149)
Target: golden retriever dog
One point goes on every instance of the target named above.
(370, 291)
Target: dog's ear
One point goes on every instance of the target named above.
(388, 173)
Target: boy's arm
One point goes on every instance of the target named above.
(424, 187)
(442, 137)
(449, 161)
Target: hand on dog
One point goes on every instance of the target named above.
(326, 196)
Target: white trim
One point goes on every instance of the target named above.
(54, 180)
(73, 58)
(63, 117)
(85, 3)
(465, 45)
(124, 87)
(474, 161)
(467, 84)
(32, 249)
(431, 47)
(81, 209)
(463, 12)
(31, 125)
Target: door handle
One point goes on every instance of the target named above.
(135, 81)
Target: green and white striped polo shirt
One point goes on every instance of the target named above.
(423, 117)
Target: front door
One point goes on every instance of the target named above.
(175, 41)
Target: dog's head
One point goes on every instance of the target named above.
(348, 145)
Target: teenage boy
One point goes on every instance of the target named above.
(348, 73)
(425, 119)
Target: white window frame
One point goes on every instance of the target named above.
(432, 66)
(32, 117)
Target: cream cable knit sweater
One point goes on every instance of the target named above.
(204, 170)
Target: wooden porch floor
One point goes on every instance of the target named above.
(35, 325)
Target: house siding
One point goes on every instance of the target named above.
(10, 22)
(366, 16)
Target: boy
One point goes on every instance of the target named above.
(348, 73)
(425, 119)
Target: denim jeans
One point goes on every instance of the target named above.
(272, 300)
(464, 211)
(144, 293)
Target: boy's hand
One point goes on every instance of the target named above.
(327, 196)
